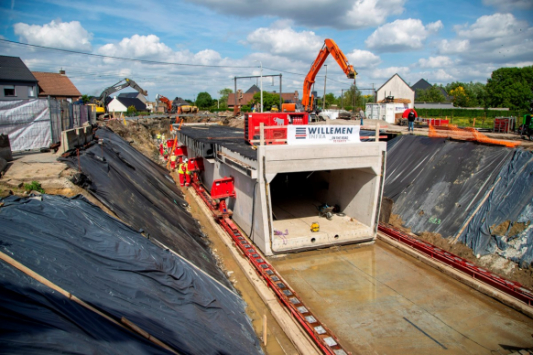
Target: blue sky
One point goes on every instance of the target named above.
(440, 41)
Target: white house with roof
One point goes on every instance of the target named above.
(397, 88)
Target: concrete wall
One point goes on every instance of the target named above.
(75, 138)
(21, 90)
(398, 88)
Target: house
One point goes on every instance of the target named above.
(133, 95)
(121, 104)
(16, 80)
(396, 90)
(56, 85)
(423, 84)
(246, 97)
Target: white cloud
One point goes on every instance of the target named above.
(345, 14)
(285, 41)
(435, 62)
(387, 73)
(363, 59)
(401, 35)
(508, 5)
(499, 38)
(65, 35)
(137, 47)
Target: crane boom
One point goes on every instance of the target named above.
(330, 47)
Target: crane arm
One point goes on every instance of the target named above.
(330, 47)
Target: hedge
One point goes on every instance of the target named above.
(451, 112)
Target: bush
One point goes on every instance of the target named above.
(131, 110)
(34, 186)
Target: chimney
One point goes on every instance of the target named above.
(62, 71)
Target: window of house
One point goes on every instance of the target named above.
(31, 91)
(9, 90)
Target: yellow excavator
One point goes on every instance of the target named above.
(100, 102)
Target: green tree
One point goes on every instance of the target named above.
(131, 110)
(204, 100)
(352, 98)
(224, 93)
(432, 94)
(511, 87)
(269, 99)
(330, 99)
(85, 99)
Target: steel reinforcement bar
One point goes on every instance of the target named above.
(319, 332)
(511, 288)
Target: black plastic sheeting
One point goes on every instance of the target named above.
(510, 204)
(435, 183)
(438, 184)
(208, 138)
(107, 264)
(142, 194)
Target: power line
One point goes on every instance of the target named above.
(124, 58)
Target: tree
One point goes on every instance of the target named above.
(131, 110)
(85, 99)
(511, 87)
(431, 94)
(223, 100)
(269, 99)
(460, 97)
(330, 99)
(352, 98)
(204, 100)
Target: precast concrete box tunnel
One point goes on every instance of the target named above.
(280, 188)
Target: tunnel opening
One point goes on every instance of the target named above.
(311, 209)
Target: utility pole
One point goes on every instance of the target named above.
(261, 85)
(325, 78)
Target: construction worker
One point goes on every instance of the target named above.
(188, 173)
(182, 170)
(173, 159)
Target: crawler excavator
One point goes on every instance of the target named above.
(101, 106)
(291, 114)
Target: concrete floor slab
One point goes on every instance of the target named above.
(378, 300)
(294, 216)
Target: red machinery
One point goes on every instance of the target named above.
(275, 124)
(167, 102)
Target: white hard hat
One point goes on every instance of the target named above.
(186, 160)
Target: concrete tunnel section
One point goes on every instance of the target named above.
(280, 187)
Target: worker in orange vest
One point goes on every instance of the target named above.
(182, 171)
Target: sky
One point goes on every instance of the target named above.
(180, 48)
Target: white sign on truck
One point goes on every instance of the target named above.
(306, 134)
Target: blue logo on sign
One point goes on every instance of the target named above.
(301, 132)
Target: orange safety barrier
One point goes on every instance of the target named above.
(467, 134)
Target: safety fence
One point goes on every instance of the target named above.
(467, 134)
(35, 124)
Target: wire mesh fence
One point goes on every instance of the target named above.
(35, 124)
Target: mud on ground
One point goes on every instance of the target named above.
(494, 263)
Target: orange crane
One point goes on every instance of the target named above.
(167, 102)
(330, 47)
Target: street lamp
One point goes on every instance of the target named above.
(324, 99)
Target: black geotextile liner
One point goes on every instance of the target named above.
(437, 183)
(502, 225)
(142, 194)
(107, 264)
(228, 137)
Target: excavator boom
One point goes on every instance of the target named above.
(166, 101)
(117, 87)
(330, 47)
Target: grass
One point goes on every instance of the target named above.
(34, 186)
